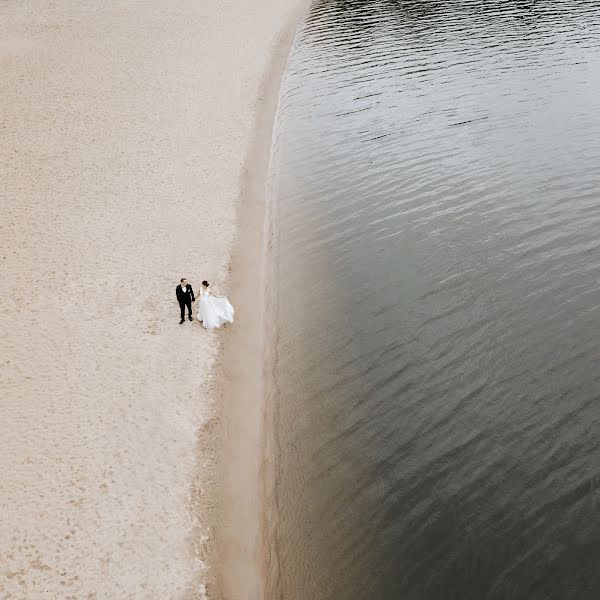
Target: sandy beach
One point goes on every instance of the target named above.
(135, 140)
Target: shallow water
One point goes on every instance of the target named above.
(436, 391)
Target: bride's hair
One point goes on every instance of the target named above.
(205, 283)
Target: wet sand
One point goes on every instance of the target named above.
(126, 131)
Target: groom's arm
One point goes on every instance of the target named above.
(193, 297)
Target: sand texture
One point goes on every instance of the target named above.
(124, 130)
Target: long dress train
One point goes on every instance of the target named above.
(214, 311)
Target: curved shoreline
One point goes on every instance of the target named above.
(129, 130)
(243, 564)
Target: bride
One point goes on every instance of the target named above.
(213, 310)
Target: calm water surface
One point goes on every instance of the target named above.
(436, 396)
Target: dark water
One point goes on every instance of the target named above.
(437, 237)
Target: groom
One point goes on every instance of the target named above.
(185, 297)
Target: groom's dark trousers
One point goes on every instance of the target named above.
(185, 297)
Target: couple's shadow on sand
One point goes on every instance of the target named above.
(213, 311)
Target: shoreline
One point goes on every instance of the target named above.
(245, 562)
(129, 131)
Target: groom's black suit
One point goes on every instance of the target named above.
(185, 298)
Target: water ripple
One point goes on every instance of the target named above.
(438, 302)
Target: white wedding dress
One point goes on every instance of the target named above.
(214, 311)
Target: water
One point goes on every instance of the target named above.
(436, 395)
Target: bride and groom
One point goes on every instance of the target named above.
(213, 310)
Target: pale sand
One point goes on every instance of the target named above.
(124, 135)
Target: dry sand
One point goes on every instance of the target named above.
(125, 129)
